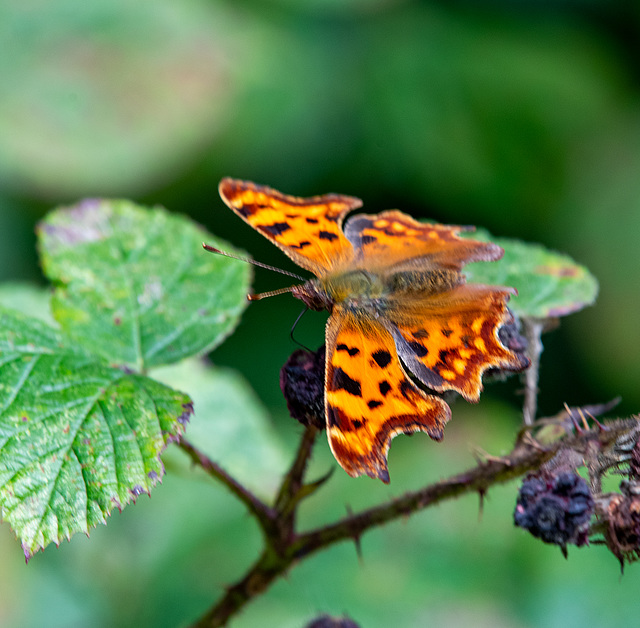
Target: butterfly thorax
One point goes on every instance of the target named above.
(362, 288)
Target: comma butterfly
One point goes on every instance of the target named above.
(402, 316)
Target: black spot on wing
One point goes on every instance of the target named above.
(420, 334)
(367, 239)
(381, 358)
(384, 387)
(333, 418)
(276, 228)
(327, 235)
(341, 381)
(312, 221)
(446, 332)
(337, 418)
(405, 388)
(373, 403)
(443, 356)
(350, 350)
(418, 349)
(301, 245)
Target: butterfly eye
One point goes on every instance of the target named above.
(312, 296)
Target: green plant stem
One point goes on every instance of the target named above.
(275, 562)
(276, 559)
(263, 513)
(292, 482)
(533, 331)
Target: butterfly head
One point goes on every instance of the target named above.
(313, 296)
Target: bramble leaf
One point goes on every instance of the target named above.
(135, 285)
(549, 284)
(77, 437)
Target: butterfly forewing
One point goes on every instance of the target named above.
(369, 398)
(308, 230)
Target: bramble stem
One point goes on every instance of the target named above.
(285, 550)
(279, 535)
(477, 479)
(263, 513)
(292, 482)
(255, 582)
(533, 332)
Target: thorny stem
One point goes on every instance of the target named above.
(277, 559)
(533, 331)
(292, 482)
(278, 530)
(259, 509)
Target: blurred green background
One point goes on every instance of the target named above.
(518, 116)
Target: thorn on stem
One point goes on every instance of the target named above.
(601, 426)
(573, 418)
(482, 492)
(529, 440)
(356, 537)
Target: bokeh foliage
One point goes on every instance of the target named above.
(521, 117)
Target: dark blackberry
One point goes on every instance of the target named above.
(555, 508)
(302, 384)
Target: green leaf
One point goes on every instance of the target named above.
(230, 424)
(77, 437)
(549, 284)
(135, 285)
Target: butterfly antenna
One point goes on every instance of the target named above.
(271, 293)
(212, 249)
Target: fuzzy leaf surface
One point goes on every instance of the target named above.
(135, 285)
(28, 298)
(549, 284)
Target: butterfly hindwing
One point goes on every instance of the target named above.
(308, 230)
(449, 341)
(369, 398)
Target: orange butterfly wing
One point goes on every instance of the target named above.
(369, 398)
(308, 230)
(392, 241)
(449, 341)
